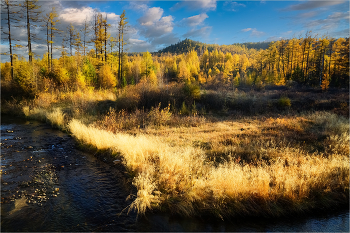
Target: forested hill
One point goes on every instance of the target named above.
(188, 45)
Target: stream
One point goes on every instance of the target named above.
(48, 185)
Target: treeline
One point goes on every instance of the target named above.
(309, 61)
(93, 58)
(188, 45)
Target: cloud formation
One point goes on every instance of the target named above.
(165, 40)
(136, 45)
(194, 20)
(233, 6)
(155, 28)
(254, 32)
(77, 16)
(309, 5)
(201, 32)
(331, 22)
(206, 5)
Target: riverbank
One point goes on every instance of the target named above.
(226, 166)
(48, 185)
(91, 192)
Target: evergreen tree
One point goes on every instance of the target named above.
(10, 15)
(121, 30)
(32, 13)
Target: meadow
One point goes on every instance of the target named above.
(226, 152)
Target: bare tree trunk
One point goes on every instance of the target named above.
(51, 48)
(10, 43)
(28, 33)
(119, 62)
(48, 45)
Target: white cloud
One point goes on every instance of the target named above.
(153, 25)
(201, 32)
(137, 5)
(75, 15)
(254, 32)
(331, 22)
(136, 45)
(257, 33)
(151, 16)
(311, 5)
(206, 5)
(232, 6)
(194, 20)
(246, 30)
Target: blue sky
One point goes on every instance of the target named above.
(154, 25)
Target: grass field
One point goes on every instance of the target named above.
(226, 153)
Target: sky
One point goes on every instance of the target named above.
(153, 25)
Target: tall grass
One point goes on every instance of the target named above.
(57, 118)
(191, 164)
(182, 179)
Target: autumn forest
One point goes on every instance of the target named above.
(94, 57)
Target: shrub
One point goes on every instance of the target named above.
(159, 117)
(63, 76)
(184, 110)
(5, 71)
(192, 91)
(24, 77)
(284, 102)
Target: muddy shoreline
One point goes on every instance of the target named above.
(42, 168)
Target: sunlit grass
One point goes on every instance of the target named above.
(226, 165)
(171, 171)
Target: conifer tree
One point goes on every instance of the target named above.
(121, 30)
(10, 15)
(50, 23)
(32, 15)
(146, 65)
(106, 35)
(85, 32)
(70, 38)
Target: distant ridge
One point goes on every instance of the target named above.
(187, 45)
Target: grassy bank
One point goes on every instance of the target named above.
(227, 153)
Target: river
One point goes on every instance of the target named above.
(48, 184)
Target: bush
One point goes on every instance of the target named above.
(159, 117)
(284, 102)
(184, 110)
(192, 91)
(63, 76)
(24, 77)
(5, 71)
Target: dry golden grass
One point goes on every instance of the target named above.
(35, 113)
(227, 166)
(73, 99)
(170, 171)
(57, 118)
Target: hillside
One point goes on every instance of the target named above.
(188, 45)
